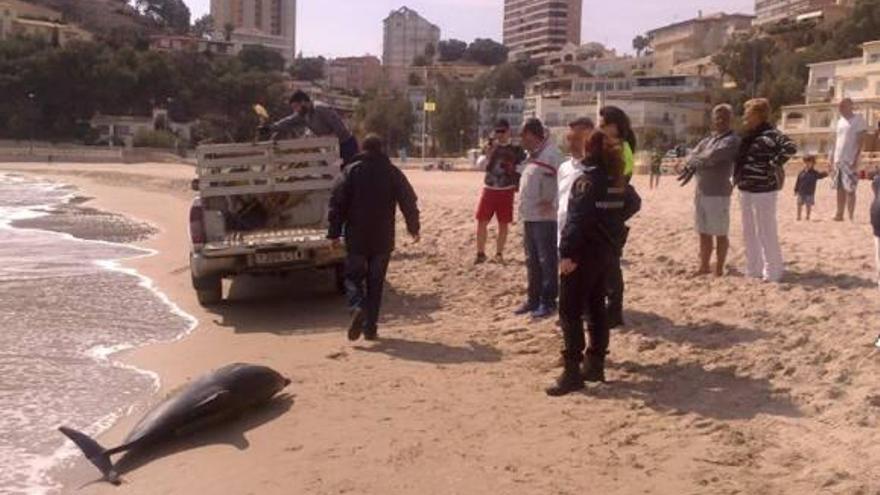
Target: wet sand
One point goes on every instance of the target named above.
(717, 385)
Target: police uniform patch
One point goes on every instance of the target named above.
(582, 186)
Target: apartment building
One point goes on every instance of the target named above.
(693, 39)
(406, 35)
(770, 12)
(269, 23)
(19, 18)
(673, 106)
(812, 124)
(354, 73)
(537, 28)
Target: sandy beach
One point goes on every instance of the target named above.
(723, 386)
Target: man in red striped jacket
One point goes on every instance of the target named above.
(538, 192)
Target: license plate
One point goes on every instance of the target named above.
(278, 257)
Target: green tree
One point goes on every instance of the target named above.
(454, 119)
(203, 26)
(451, 50)
(171, 14)
(388, 115)
(308, 68)
(640, 43)
(486, 52)
(256, 57)
(228, 29)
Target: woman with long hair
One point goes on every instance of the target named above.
(616, 124)
(594, 227)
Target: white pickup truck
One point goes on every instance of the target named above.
(262, 209)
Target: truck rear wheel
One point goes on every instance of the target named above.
(209, 290)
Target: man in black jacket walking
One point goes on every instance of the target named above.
(363, 208)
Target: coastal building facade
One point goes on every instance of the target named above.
(23, 19)
(697, 38)
(268, 23)
(189, 44)
(811, 124)
(670, 108)
(770, 12)
(356, 74)
(534, 29)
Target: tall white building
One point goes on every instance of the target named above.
(269, 23)
(406, 34)
(536, 28)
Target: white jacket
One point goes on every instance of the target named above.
(538, 185)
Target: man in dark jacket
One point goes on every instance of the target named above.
(363, 208)
(320, 120)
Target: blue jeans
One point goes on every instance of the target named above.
(364, 282)
(542, 262)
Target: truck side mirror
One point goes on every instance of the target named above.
(194, 185)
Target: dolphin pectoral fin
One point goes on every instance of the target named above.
(94, 452)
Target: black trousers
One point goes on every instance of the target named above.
(364, 283)
(615, 287)
(584, 291)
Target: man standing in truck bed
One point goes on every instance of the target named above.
(321, 121)
(363, 205)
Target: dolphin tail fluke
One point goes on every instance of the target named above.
(94, 452)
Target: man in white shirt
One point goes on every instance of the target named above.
(844, 158)
(578, 133)
(538, 207)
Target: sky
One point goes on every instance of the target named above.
(335, 28)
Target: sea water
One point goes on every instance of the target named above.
(66, 306)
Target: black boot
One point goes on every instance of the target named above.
(570, 380)
(594, 367)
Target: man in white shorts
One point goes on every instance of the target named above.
(712, 162)
(850, 133)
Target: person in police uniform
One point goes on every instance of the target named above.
(600, 203)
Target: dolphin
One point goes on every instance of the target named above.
(218, 396)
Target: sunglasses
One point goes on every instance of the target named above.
(501, 131)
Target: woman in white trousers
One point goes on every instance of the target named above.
(875, 218)
(759, 175)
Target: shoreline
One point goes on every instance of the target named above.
(708, 394)
(45, 219)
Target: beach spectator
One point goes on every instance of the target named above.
(760, 174)
(363, 210)
(320, 120)
(656, 170)
(578, 134)
(805, 187)
(875, 218)
(594, 227)
(844, 158)
(712, 162)
(538, 208)
(500, 183)
(615, 123)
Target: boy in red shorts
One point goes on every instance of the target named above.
(500, 185)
